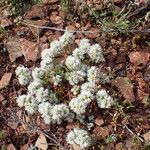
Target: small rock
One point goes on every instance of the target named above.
(147, 136)
(77, 25)
(119, 146)
(11, 147)
(99, 121)
(49, 1)
(5, 23)
(36, 12)
(14, 48)
(41, 142)
(4, 102)
(5, 80)
(25, 147)
(1, 98)
(141, 83)
(70, 27)
(101, 132)
(125, 86)
(139, 57)
(76, 147)
(55, 18)
(29, 50)
(93, 35)
(13, 125)
(36, 31)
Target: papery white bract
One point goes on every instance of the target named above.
(39, 74)
(28, 102)
(93, 74)
(103, 99)
(80, 103)
(77, 106)
(21, 100)
(42, 94)
(66, 38)
(24, 75)
(57, 79)
(75, 77)
(34, 87)
(73, 63)
(75, 89)
(89, 86)
(95, 53)
(61, 112)
(80, 137)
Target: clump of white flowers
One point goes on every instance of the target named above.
(24, 75)
(43, 99)
(55, 113)
(96, 54)
(80, 103)
(103, 99)
(28, 102)
(79, 71)
(80, 137)
(73, 63)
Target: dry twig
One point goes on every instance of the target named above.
(91, 32)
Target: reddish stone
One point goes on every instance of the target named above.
(11, 147)
(29, 50)
(101, 132)
(55, 18)
(5, 80)
(147, 136)
(142, 96)
(139, 57)
(94, 33)
(24, 147)
(12, 124)
(6, 23)
(14, 48)
(99, 121)
(40, 23)
(36, 12)
(126, 88)
(70, 27)
(1, 98)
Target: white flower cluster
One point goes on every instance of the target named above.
(80, 103)
(24, 75)
(103, 99)
(82, 76)
(95, 53)
(28, 102)
(55, 113)
(38, 97)
(88, 92)
(57, 79)
(80, 137)
(79, 71)
(56, 47)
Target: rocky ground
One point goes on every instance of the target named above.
(127, 53)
